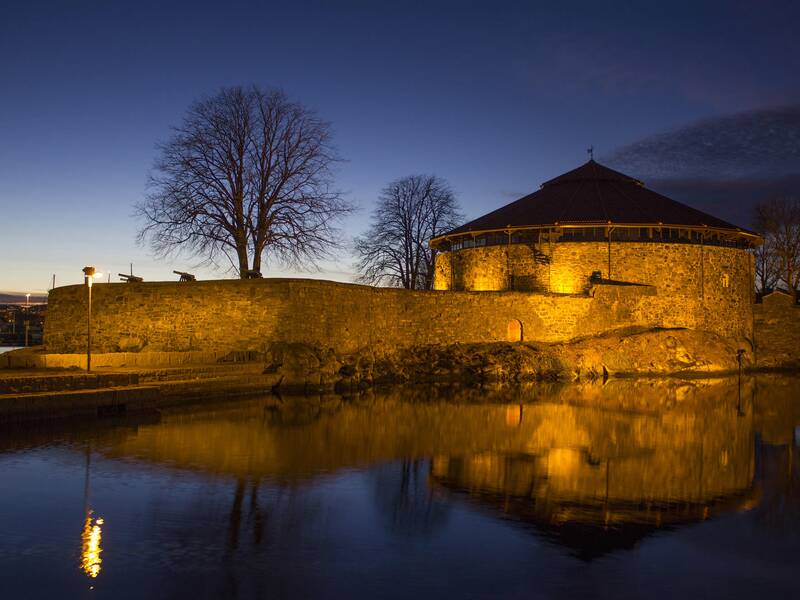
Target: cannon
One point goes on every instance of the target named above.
(185, 276)
(130, 278)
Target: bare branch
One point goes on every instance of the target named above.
(248, 174)
(778, 260)
(394, 251)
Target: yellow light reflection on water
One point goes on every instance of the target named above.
(90, 545)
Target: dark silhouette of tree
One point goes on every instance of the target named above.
(778, 220)
(405, 501)
(394, 250)
(248, 176)
(768, 268)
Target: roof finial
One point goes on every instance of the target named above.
(590, 151)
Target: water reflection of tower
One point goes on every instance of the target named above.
(595, 479)
(91, 536)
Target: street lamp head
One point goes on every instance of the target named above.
(90, 274)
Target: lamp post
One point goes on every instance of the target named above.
(27, 321)
(89, 273)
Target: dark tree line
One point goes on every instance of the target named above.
(394, 251)
(247, 176)
(777, 261)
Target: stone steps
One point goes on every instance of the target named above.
(33, 381)
(36, 358)
(75, 403)
(11, 383)
(32, 396)
(200, 372)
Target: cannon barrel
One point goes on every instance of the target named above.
(130, 278)
(184, 276)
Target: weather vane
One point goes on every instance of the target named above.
(590, 150)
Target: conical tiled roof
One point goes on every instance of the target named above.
(593, 194)
(592, 171)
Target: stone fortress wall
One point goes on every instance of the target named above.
(698, 287)
(246, 315)
(236, 315)
(777, 327)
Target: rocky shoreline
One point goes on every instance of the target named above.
(138, 381)
(654, 352)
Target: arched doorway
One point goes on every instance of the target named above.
(514, 331)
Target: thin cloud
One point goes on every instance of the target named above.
(750, 145)
(723, 165)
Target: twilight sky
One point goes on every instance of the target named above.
(699, 99)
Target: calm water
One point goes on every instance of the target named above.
(624, 490)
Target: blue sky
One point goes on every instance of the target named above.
(495, 97)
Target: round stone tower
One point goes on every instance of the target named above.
(594, 225)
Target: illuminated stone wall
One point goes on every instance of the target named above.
(777, 322)
(700, 287)
(247, 315)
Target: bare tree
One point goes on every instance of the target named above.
(248, 176)
(778, 220)
(394, 250)
(768, 268)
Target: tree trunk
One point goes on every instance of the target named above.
(241, 253)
